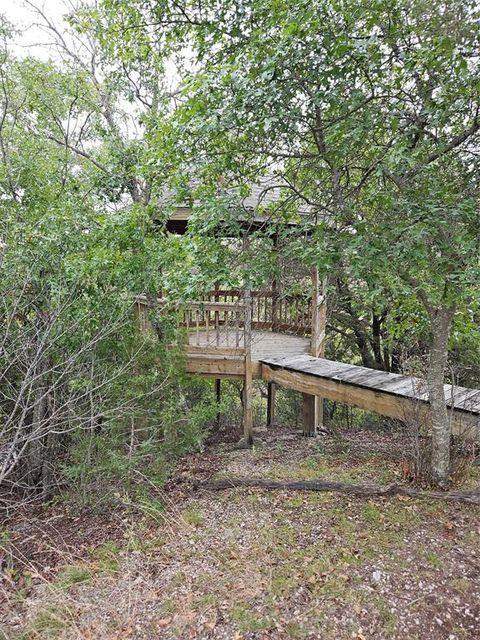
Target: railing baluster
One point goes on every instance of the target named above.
(269, 311)
(237, 328)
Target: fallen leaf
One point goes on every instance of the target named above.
(164, 622)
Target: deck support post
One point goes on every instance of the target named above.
(319, 325)
(271, 391)
(309, 425)
(248, 389)
(218, 398)
(275, 285)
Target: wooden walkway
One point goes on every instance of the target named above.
(389, 394)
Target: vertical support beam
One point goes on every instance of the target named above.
(139, 429)
(275, 285)
(319, 325)
(218, 398)
(142, 312)
(248, 389)
(271, 390)
(309, 424)
(217, 317)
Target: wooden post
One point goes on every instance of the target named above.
(139, 429)
(275, 286)
(248, 389)
(271, 404)
(218, 397)
(247, 403)
(309, 425)
(319, 324)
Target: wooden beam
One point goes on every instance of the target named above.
(212, 365)
(212, 350)
(319, 325)
(275, 285)
(213, 306)
(271, 392)
(308, 415)
(399, 407)
(248, 388)
(143, 321)
(218, 398)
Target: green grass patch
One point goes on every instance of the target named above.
(372, 514)
(430, 556)
(283, 584)
(247, 619)
(49, 623)
(295, 502)
(72, 575)
(193, 516)
(106, 559)
(295, 630)
(462, 585)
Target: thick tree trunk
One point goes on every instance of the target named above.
(377, 342)
(35, 451)
(441, 319)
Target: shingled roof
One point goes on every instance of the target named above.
(264, 193)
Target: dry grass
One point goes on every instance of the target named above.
(251, 564)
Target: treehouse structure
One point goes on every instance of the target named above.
(277, 335)
(230, 331)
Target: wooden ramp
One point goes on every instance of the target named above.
(389, 394)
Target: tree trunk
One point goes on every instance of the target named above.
(35, 451)
(441, 320)
(377, 341)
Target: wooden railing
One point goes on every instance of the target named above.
(214, 325)
(219, 335)
(219, 323)
(270, 310)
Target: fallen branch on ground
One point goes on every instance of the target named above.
(471, 497)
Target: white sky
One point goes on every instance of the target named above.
(32, 40)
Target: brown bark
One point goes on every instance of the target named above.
(472, 497)
(35, 451)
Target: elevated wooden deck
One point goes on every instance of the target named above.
(229, 332)
(389, 394)
(281, 340)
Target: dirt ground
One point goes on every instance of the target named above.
(243, 563)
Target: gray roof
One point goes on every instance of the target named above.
(267, 191)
